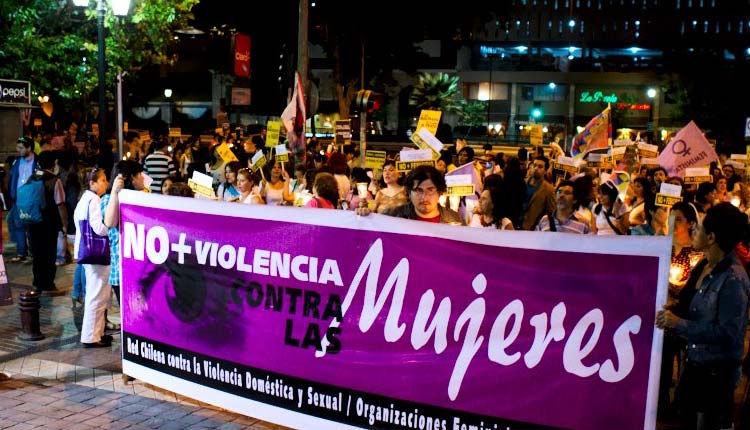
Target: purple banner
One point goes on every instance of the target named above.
(446, 326)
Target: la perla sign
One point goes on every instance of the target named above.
(596, 97)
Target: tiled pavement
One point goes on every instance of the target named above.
(56, 384)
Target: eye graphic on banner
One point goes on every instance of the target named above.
(680, 147)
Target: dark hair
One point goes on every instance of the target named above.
(46, 160)
(423, 173)
(582, 188)
(653, 171)
(687, 209)
(337, 162)
(468, 150)
(610, 190)
(26, 142)
(326, 187)
(128, 169)
(566, 183)
(493, 180)
(359, 175)
(728, 225)
(180, 189)
(649, 208)
(543, 158)
(704, 188)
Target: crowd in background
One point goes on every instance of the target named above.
(705, 319)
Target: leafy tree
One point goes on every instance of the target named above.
(355, 42)
(53, 44)
(473, 113)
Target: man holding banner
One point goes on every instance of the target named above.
(424, 185)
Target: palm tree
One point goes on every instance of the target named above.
(438, 91)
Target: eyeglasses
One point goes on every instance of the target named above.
(428, 192)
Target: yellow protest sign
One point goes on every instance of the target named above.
(273, 129)
(461, 190)
(688, 180)
(281, 153)
(665, 200)
(225, 153)
(536, 135)
(406, 166)
(201, 189)
(429, 119)
(258, 161)
(564, 167)
(374, 159)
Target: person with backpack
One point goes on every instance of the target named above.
(22, 169)
(41, 204)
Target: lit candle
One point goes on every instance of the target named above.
(675, 274)
(735, 202)
(442, 199)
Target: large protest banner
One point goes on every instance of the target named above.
(320, 319)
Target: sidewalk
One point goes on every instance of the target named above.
(56, 384)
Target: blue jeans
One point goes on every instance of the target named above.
(79, 283)
(19, 233)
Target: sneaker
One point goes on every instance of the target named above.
(4, 376)
(17, 259)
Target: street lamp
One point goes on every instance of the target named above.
(651, 93)
(119, 8)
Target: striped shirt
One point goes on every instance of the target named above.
(159, 166)
(570, 225)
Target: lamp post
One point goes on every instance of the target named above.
(168, 113)
(651, 93)
(120, 8)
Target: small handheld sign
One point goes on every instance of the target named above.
(459, 185)
(668, 195)
(281, 153)
(697, 175)
(258, 161)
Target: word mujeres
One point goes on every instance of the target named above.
(429, 324)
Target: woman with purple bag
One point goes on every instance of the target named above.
(91, 245)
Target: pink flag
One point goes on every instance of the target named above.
(294, 117)
(688, 148)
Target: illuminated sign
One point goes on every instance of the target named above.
(17, 92)
(633, 106)
(597, 97)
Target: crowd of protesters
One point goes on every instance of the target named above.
(704, 321)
